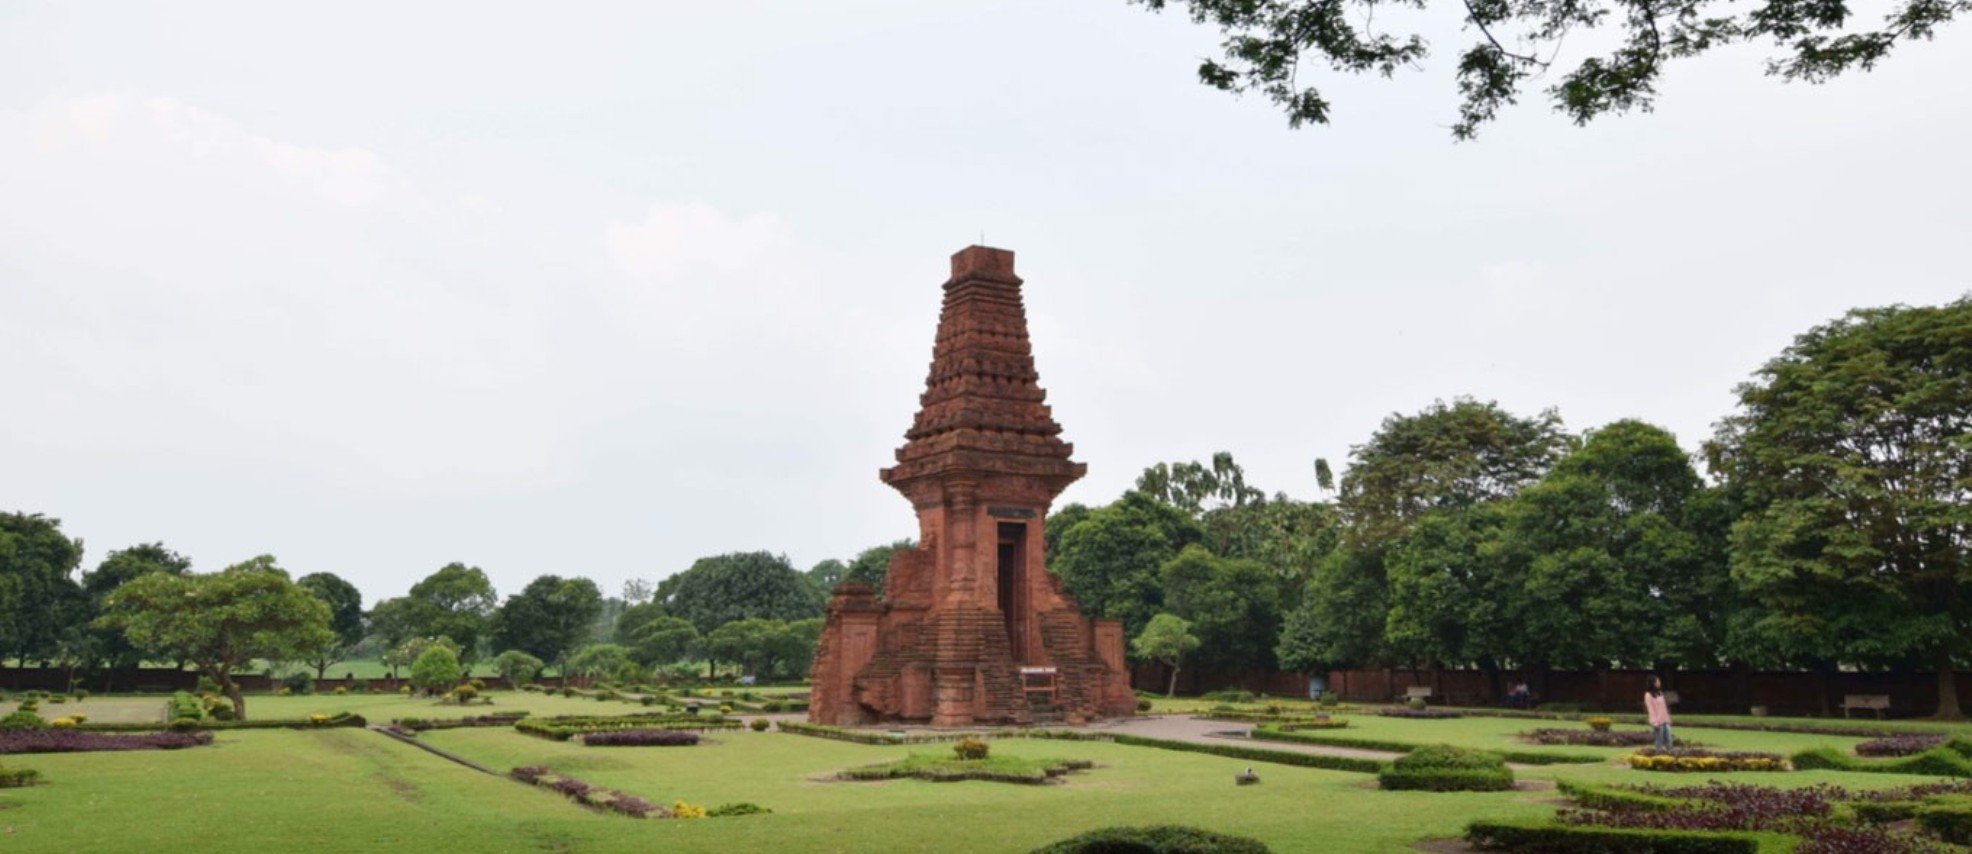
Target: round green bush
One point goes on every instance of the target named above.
(22, 721)
(1155, 839)
(759, 724)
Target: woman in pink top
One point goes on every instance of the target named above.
(1660, 714)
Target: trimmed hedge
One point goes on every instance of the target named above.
(1155, 839)
(15, 778)
(1257, 754)
(185, 724)
(1614, 799)
(1949, 822)
(866, 736)
(1575, 839)
(1937, 762)
(1443, 768)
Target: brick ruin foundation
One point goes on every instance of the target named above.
(971, 628)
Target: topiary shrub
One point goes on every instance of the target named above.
(741, 808)
(759, 724)
(22, 721)
(62, 723)
(81, 694)
(681, 809)
(1444, 768)
(1155, 839)
(1600, 724)
(1143, 704)
(971, 749)
(341, 690)
(1416, 704)
(404, 689)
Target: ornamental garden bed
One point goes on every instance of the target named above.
(84, 741)
(1427, 713)
(413, 726)
(1901, 745)
(565, 728)
(624, 803)
(970, 759)
(1155, 838)
(1737, 817)
(640, 738)
(1594, 738)
(1938, 761)
(1694, 760)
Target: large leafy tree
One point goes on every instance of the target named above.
(742, 585)
(663, 640)
(1269, 45)
(116, 570)
(1110, 559)
(39, 596)
(1853, 451)
(549, 617)
(223, 621)
(1612, 557)
(1445, 457)
(1233, 607)
(1450, 601)
(345, 617)
(393, 622)
(456, 602)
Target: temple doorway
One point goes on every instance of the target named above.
(1013, 586)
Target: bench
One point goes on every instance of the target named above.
(1878, 703)
(1420, 692)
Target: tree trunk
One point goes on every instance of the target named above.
(1947, 689)
(1172, 690)
(233, 693)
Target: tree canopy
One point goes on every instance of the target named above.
(1853, 452)
(548, 618)
(345, 617)
(743, 585)
(1270, 46)
(222, 622)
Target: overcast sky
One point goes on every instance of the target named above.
(597, 290)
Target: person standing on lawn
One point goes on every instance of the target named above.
(1659, 711)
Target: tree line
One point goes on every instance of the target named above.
(1830, 528)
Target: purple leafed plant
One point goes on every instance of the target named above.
(1830, 839)
(640, 738)
(1902, 745)
(1590, 737)
(82, 741)
(1407, 712)
(530, 773)
(570, 786)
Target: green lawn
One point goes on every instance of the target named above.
(353, 790)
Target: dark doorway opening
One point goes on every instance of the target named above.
(1013, 585)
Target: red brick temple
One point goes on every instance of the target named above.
(972, 628)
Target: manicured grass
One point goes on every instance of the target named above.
(103, 710)
(353, 790)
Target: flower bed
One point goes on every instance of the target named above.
(410, 726)
(1901, 745)
(564, 728)
(84, 741)
(1822, 818)
(587, 795)
(1688, 760)
(640, 738)
(870, 736)
(1421, 714)
(1589, 737)
(940, 768)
